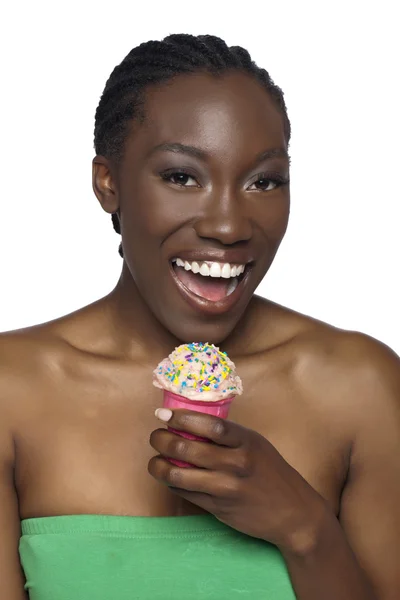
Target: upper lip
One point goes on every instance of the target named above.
(233, 257)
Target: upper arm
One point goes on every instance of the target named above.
(370, 504)
(11, 575)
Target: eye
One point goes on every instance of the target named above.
(180, 178)
(267, 183)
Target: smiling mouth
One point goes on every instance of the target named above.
(210, 285)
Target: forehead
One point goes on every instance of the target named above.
(225, 116)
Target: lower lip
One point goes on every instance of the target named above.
(207, 306)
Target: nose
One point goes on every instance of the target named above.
(224, 219)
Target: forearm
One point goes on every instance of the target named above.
(326, 567)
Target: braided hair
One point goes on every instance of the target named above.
(155, 62)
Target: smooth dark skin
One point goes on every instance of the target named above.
(318, 427)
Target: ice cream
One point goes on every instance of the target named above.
(197, 377)
(198, 371)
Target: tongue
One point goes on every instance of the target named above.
(211, 288)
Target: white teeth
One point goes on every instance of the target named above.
(215, 270)
(226, 271)
(211, 269)
(205, 270)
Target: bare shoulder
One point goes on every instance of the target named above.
(45, 348)
(349, 369)
(349, 364)
(34, 358)
(350, 374)
(25, 353)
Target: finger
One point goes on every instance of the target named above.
(220, 431)
(192, 480)
(201, 454)
(205, 501)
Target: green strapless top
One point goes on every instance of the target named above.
(99, 557)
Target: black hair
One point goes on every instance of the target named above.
(155, 62)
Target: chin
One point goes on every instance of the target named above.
(212, 331)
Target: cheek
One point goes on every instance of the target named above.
(272, 215)
(155, 211)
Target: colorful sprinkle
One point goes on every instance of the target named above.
(200, 367)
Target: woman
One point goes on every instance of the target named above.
(298, 495)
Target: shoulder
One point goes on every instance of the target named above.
(32, 361)
(37, 360)
(24, 353)
(19, 371)
(323, 350)
(349, 370)
(352, 363)
(349, 375)
(45, 348)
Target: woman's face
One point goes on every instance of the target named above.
(203, 182)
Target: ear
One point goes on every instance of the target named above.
(104, 185)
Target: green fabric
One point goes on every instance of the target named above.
(99, 557)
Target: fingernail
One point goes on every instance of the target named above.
(164, 414)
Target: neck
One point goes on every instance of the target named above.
(134, 325)
(141, 335)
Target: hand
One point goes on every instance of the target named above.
(242, 479)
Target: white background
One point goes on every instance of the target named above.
(337, 63)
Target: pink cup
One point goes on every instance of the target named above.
(218, 409)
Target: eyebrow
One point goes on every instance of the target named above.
(179, 149)
(197, 153)
(274, 153)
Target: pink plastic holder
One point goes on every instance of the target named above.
(217, 409)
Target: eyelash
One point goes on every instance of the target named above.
(275, 178)
(168, 174)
